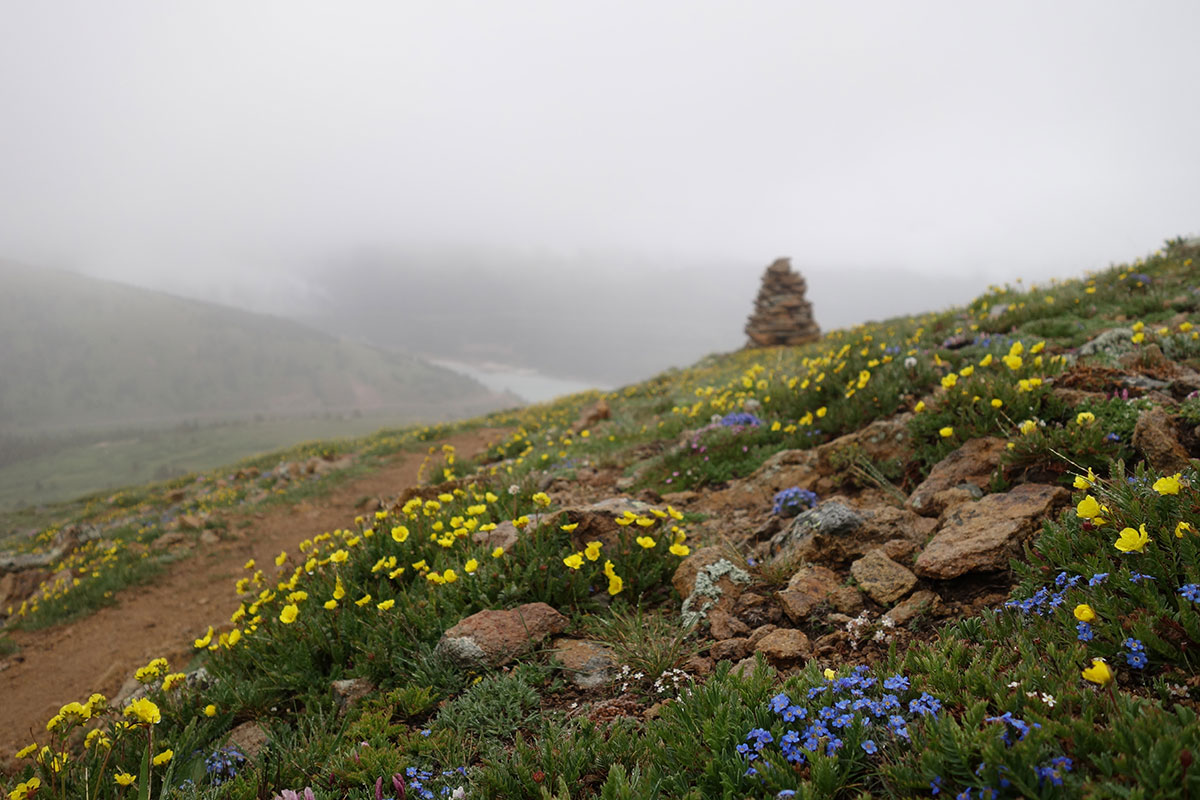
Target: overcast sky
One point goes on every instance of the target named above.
(158, 141)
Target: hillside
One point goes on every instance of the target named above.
(81, 354)
(951, 555)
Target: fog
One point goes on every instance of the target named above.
(645, 160)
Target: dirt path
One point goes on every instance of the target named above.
(98, 653)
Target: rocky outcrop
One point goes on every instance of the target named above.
(973, 463)
(983, 536)
(782, 316)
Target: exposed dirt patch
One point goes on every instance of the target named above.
(98, 653)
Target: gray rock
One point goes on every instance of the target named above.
(588, 664)
(1112, 343)
(825, 533)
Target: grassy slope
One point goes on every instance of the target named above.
(103, 385)
(993, 705)
(81, 353)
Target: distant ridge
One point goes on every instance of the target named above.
(78, 353)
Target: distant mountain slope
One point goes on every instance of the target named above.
(78, 353)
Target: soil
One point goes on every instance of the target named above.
(100, 652)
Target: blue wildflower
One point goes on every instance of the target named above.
(1085, 631)
(870, 747)
(1136, 659)
(1097, 579)
(740, 419)
(790, 502)
(1138, 577)
(1190, 591)
(779, 702)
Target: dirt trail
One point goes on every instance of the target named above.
(98, 653)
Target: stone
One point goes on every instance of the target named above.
(706, 579)
(730, 649)
(807, 589)
(949, 499)
(904, 612)
(249, 738)
(588, 664)
(347, 692)
(759, 633)
(826, 533)
(15, 587)
(1154, 436)
(209, 537)
(190, 522)
(698, 665)
(598, 412)
(899, 549)
(745, 668)
(723, 625)
(503, 535)
(847, 600)
(983, 536)
(885, 523)
(782, 316)
(972, 463)
(1113, 343)
(784, 645)
(169, 540)
(882, 579)
(491, 638)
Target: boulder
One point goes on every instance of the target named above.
(730, 649)
(882, 579)
(598, 412)
(983, 536)
(723, 625)
(972, 463)
(1154, 436)
(490, 638)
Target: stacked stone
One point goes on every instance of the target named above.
(781, 314)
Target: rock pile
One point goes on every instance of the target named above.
(782, 315)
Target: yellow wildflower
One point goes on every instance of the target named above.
(1084, 613)
(385, 605)
(1168, 485)
(331, 604)
(279, 559)
(210, 710)
(499, 551)
(124, 779)
(289, 613)
(470, 566)
(680, 550)
(997, 402)
(592, 550)
(919, 407)
(163, 757)
(1085, 482)
(646, 542)
(946, 432)
(1129, 540)
(339, 591)
(449, 576)
(1098, 673)
(145, 710)
(204, 640)
(27, 750)
(1183, 528)
(615, 584)
(362, 601)
(569, 528)
(338, 556)
(400, 534)
(1088, 508)
(1013, 362)
(949, 381)
(1028, 426)
(1084, 417)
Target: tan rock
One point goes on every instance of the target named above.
(730, 649)
(922, 602)
(1155, 437)
(974, 462)
(588, 664)
(723, 625)
(983, 536)
(882, 579)
(784, 645)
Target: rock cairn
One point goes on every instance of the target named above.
(781, 314)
